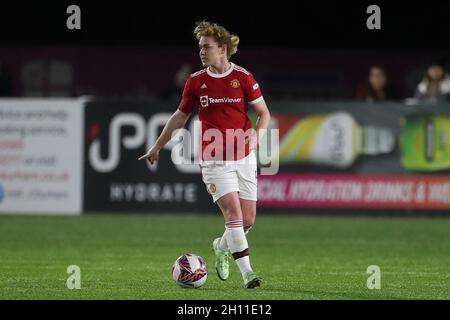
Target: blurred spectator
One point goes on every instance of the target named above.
(435, 86)
(377, 87)
(175, 91)
(6, 87)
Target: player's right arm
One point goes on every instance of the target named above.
(176, 121)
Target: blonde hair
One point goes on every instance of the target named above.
(220, 34)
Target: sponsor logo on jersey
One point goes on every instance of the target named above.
(235, 83)
(224, 100)
(204, 101)
(255, 86)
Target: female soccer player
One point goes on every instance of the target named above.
(223, 91)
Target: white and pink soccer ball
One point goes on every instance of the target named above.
(190, 271)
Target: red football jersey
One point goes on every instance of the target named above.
(223, 101)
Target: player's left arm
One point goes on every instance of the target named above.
(254, 95)
(263, 119)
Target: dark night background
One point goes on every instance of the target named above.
(319, 50)
(313, 24)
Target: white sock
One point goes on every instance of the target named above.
(244, 265)
(237, 242)
(223, 245)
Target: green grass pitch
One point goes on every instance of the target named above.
(129, 256)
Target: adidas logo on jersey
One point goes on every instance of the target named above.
(203, 86)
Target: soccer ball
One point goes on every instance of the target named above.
(190, 271)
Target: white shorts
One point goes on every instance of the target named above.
(222, 177)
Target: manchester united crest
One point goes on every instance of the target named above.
(212, 188)
(235, 83)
